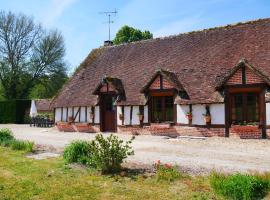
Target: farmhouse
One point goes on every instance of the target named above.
(210, 82)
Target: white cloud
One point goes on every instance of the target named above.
(55, 10)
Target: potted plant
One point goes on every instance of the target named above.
(121, 116)
(189, 115)
(207, 118)
(70, 119)
(140, 116)
(91, 115)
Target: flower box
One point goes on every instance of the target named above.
(84, 128)
(65, 127)
(244, 129)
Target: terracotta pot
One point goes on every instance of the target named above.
(207, 119)
(121, 116)
(91, 115)
(244, 129)
(70, 119)
(189, 116)
(140, 117)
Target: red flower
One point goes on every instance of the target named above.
(168, 166)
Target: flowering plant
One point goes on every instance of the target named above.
(166, 171)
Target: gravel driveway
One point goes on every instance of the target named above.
(194, 155)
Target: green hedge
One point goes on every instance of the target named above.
(14, 111)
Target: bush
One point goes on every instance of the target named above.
(6, 137)
(77, 152)
(239, 186)
(105, 154)
(22, 145)
(108, 153)
(13, 111)
(167, 172)
(7, 140)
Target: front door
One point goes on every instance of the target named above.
(108, 118)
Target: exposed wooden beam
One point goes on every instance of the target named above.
(123, 113)
(227, 113)
(85, 113)
(93, 112)
(244, 75)
(130, 118)
(79, 110)
(61, 114)
(67, 115)
(141, 109)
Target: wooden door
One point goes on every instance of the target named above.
(108, 111)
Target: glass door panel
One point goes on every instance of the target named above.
(252, 108)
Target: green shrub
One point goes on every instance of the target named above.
(6, 137)
(13, 111)
(77, 152)
(22, 145)
(167, 172)
(108, 153)
(105, 154)
(239, 186)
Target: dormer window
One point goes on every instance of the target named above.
(162, 90)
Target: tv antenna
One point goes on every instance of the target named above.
(109, 22)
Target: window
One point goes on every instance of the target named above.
(244, 107)
(162, 109)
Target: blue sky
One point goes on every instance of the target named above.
(84, 29)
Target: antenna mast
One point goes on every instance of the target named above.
(109, 14)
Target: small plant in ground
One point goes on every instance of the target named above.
(77, 152)
(240, 186)
(6, 137)
(167, 172)
(108, 153)
(22, 145)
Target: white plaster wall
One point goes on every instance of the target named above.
(64, 115)
(70, 111)
(197, 114)
(96, 119)
(182, 110)
(119, 111)
(75, 112)
(267, 113)
(135, 116)
(88, 114)
(127, 115)
(57, 116)
(145, 113)
(82, 118)
(217, 112)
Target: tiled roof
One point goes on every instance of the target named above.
(43, 105)
(198, 59)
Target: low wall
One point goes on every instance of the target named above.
(173, 131)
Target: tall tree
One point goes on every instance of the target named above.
(129, 34)
(27, 54)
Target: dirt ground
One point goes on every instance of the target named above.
(192, 155)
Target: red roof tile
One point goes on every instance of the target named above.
(199, 59)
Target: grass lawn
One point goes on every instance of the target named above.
(23, 178)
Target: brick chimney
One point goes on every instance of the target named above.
(108, 43)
